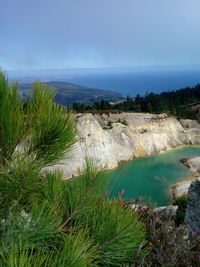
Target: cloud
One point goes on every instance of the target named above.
(76, 33)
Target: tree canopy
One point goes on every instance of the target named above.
(173, 102)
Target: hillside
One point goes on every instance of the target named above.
(182, 103)
(68, 93)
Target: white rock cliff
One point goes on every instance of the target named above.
(109, 141)
(181, 188)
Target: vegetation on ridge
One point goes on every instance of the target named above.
(173, 102)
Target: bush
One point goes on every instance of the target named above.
(109, 124)
(182, 203)
(168, 244)
(122, 122)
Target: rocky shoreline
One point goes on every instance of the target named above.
(181, 188)
(193, 164)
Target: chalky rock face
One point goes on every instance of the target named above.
(192, 216)
(192, 163)
(181, 188)
(117, 137)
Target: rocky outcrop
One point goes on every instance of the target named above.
(192, 216)
(193, 164)
(164, 212)
(190, 124)
(167, 212)
(181, 188)
(114, 138)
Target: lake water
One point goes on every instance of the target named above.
(151, 177)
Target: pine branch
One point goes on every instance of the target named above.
(81, 202)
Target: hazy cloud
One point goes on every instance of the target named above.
(96, 33)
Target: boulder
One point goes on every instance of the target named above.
(180, 189)
(192, 216)
(167, 212)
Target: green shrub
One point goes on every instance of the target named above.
(168, 243)
(122, 122)
(109, 124)
(182, 203)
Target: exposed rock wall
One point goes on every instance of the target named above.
(192, 216)
(109, 141)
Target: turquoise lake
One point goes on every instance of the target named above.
(151, 177)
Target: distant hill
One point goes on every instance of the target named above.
(68, 93)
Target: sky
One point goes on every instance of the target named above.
(57, 34)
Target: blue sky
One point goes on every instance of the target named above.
(49, 34)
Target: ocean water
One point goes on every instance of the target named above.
(139, 82)
(127, 81)
(151, 177)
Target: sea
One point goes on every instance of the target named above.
(127, 81)
(133, 83)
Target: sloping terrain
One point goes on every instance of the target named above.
(68, 93)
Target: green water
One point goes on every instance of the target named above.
(151, 177)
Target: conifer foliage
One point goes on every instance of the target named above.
(44, 220)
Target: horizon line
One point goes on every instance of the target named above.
(106, 67)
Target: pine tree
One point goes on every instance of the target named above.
(45, 220)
